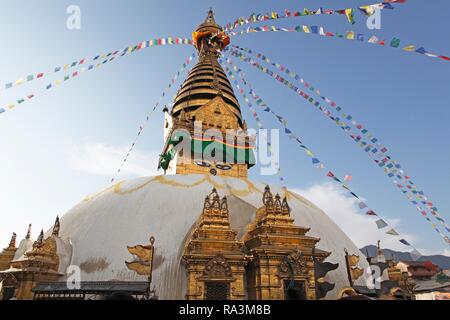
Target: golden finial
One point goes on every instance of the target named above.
(40, 239)
(12, 242)
(56, 227)
(267, 196)
(210, 16)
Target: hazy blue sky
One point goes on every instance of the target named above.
(68, 142)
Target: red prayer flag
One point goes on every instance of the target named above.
(330, 174)
(371, 213)
(445, 58)
(39, 75)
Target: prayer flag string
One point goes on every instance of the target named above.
(157, 104)
(349, 35)
(328, 113)
(372, 147)
(86, 64)
(367, 10)
(231, 70)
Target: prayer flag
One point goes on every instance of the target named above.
(350, 16)
(405, 242)
(381, 224)
(392, 232)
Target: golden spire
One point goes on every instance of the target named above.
(207, 79)
(206, 100)
(39, 240)
(56, 227)
(210, 17)
(12, 242)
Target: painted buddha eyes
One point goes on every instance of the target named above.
(220, 166)
(203, 164)
(223, 166)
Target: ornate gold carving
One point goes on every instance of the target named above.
(41, 264)
(56, 227)
(212, 253)
(218, 268)
(294, 264)
(7, 255)
(280, 251)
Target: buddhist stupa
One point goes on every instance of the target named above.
(217, 234)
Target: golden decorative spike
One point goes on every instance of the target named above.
(267, 197)
(285, 207)
(40, 239)
(56, 227)
(277, 203)
(224, 205)
(12, 242)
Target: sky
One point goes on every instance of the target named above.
(69, 141)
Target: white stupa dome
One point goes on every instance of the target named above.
(167, 207)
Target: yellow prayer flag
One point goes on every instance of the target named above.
(20, 81)
(409, 48)
(349, 14)
(306, 29)
(350, 35)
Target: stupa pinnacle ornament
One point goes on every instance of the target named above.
(12, 242)
(39, 240)
(56, 227)
(206, 102)
(243, 241)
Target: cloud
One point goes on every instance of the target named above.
(344, 211)
(104, 160)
